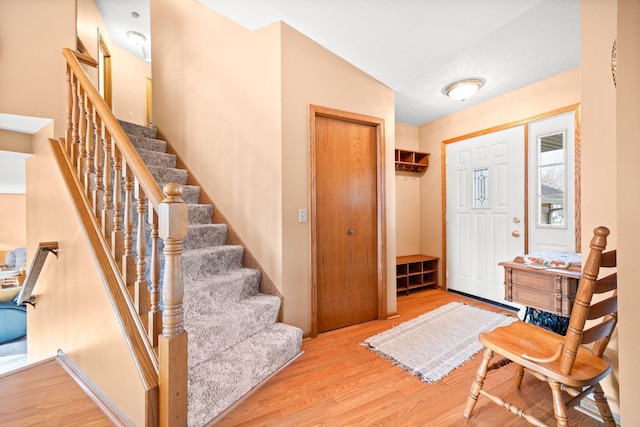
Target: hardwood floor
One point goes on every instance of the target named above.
(337, 382)
(45, 395)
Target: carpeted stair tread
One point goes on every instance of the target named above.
(235, 341)
(157, 159)
(199, 214)
(205, 235)
(204, 262)
(216, 384)
(230, 326)
(149, 144)
(134, 129)
(166, 175)
(190, 194)
(223, 290)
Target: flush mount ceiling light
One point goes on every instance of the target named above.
(463, 89)
(136, 37)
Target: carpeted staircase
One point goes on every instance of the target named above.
(235, 341)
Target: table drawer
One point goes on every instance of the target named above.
(555, 303)
(541, 289)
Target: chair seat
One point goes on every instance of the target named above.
(541, 343)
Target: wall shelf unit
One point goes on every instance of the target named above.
(411, 161)
(416, 271)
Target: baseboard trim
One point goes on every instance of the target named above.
(103, 401)
(588, 407)
(485, 300)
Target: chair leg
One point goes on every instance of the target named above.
(559, 408)
(478, 382)
(603, 406)
(519, 375)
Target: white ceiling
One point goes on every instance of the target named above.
(416, 47)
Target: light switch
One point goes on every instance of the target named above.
(302, 215)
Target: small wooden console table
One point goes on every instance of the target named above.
(551, 290)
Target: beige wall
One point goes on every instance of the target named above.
(32, 69)
(547, 95)
(217, 101)
(73, 311)
(628, 205)
(13, 221)
(237, 150)
(15, 141)
(408, 195)
(129, 73)
(129, 86)
(313, 75)
(239, 117)
(88, 24)
(598, 108)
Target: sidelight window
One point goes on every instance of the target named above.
(552, 184)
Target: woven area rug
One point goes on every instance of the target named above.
(435, 343)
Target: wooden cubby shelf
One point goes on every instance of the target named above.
(416, 271)
(411, 161)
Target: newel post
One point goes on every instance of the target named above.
(172, 344)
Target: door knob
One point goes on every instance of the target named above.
(350, 232)
(515, 233)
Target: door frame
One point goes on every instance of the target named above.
(575, 108)
(318, 111)
(104, 61)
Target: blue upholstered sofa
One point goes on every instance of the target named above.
(13, 317)
(13, 321)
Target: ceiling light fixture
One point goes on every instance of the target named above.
(136, 37)
(463, 89)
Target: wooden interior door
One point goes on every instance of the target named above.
(345, 222)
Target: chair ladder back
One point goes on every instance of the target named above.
(602, 308)
(607, 284)
(609, 259)
(582, 303)
(600, 334)
(606, 310)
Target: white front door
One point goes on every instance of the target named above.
(485, 210)
(552, 195)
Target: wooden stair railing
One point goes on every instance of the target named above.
(44, 248)
(115, 195)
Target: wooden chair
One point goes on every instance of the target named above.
(563, 362)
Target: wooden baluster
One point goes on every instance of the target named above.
(98, 187)
(128, 259)
(141, 291)
(117, 236)
(82, 123)
(107, 198)
(172, 344)
(73, 154)
(88, 170)
(154, 327)
(68, 132)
